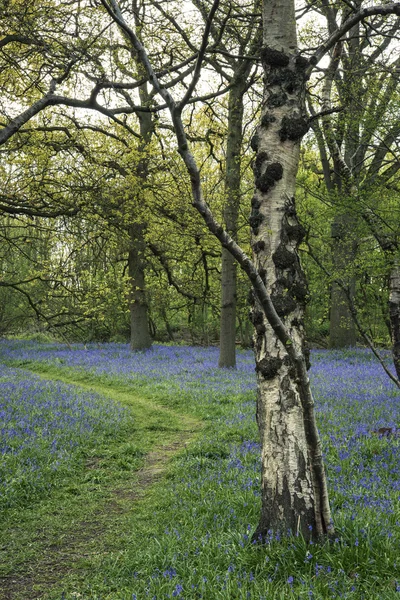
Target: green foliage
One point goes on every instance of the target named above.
(370, 270)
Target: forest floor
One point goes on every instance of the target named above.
(89, 516)
(161, 502)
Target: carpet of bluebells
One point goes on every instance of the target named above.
(44, 426)
(189, 369)
(210, 503)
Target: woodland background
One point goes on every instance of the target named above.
(95, 212)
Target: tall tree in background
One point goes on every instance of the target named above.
(138, 304)
(242, 25)
(356, 137)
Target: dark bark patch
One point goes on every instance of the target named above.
(274, 58)
(272, 174)
(290, 208)
(258, 246)
(267, 119)
(293, 128)
(301, 63)
(295, 232)
(299, 291)
(283, 258)
(255, 202)
(287, 79)
(269, 366)
(284, 282)
(254, 142)
(256, 219)
(277, 100)
(284, 303)
(261, 330)
(263, 274)
(301, 468)
(291, 368)
(261, 158)
(257, 317)
(297, 323)
(288, 397)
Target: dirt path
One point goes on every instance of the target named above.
(87, 538)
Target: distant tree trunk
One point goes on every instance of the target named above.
(340, 184)
(342, 328)
(247, 39)
(343, 331)
(294, 491)
(245, 332)
(227, 354)
(394, 314)
(167, 325)
(140, 336)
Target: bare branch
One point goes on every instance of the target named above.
(200, 57)
(387, 9)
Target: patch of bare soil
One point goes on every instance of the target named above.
(83, 542)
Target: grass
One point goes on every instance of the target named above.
(188, 536)
(51, 523)
(46, 427)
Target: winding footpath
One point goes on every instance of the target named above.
(82, 540)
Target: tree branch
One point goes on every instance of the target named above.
(388, 9)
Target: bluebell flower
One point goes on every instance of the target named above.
(178, 590)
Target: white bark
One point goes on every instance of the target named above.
(294, 494)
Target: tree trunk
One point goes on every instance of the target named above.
(342, 329)
(394, 314)
(140, 336)
(340, 183)
(227, 334)
(245, 332)
(294, 492)
(227, 348)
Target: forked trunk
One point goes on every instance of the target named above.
(294, 493)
